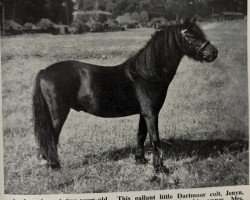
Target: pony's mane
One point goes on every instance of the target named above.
(162, 53)
(150, 61)
(160, 33)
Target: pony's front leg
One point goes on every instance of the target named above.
(141, 137)
(152, 126)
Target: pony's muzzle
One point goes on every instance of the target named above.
(210, 53)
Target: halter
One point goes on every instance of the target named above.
(202, 47)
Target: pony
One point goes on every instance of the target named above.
(137, 86)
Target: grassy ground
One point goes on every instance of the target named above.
(203, 123)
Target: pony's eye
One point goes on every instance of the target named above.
(186, 34)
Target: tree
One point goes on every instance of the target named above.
(144, 17)
(177, 7)
(135, 16)
(109, 5)
(87, 4)
(144, 4)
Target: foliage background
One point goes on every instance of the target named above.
(56, 10)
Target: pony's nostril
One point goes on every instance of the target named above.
(215, 53)
(206, 54)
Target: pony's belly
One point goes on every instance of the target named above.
(107, 105)
(110, 108)
(118, 109)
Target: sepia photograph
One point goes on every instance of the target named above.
(103, 96)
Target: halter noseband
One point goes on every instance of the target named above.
(203, 46)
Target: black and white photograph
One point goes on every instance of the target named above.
(104, 96)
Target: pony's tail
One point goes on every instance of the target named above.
(43, 127)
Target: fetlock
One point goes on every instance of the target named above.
(140, 158)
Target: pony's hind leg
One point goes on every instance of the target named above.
(59, 110)
(58, 119)
(141, 137)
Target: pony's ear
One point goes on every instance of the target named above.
(194, 20)
(186, 21)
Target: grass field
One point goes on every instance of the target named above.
(203, 123)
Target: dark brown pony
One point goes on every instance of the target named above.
(137, 86)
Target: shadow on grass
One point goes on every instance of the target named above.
(172, 149)
(202, 148)
(178, 149)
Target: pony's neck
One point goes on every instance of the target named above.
(165, 51)
(168, 54)
(158, 59)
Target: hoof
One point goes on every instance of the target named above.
(55, 165)
(162, 169)
(141, 160)
(155, 179)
